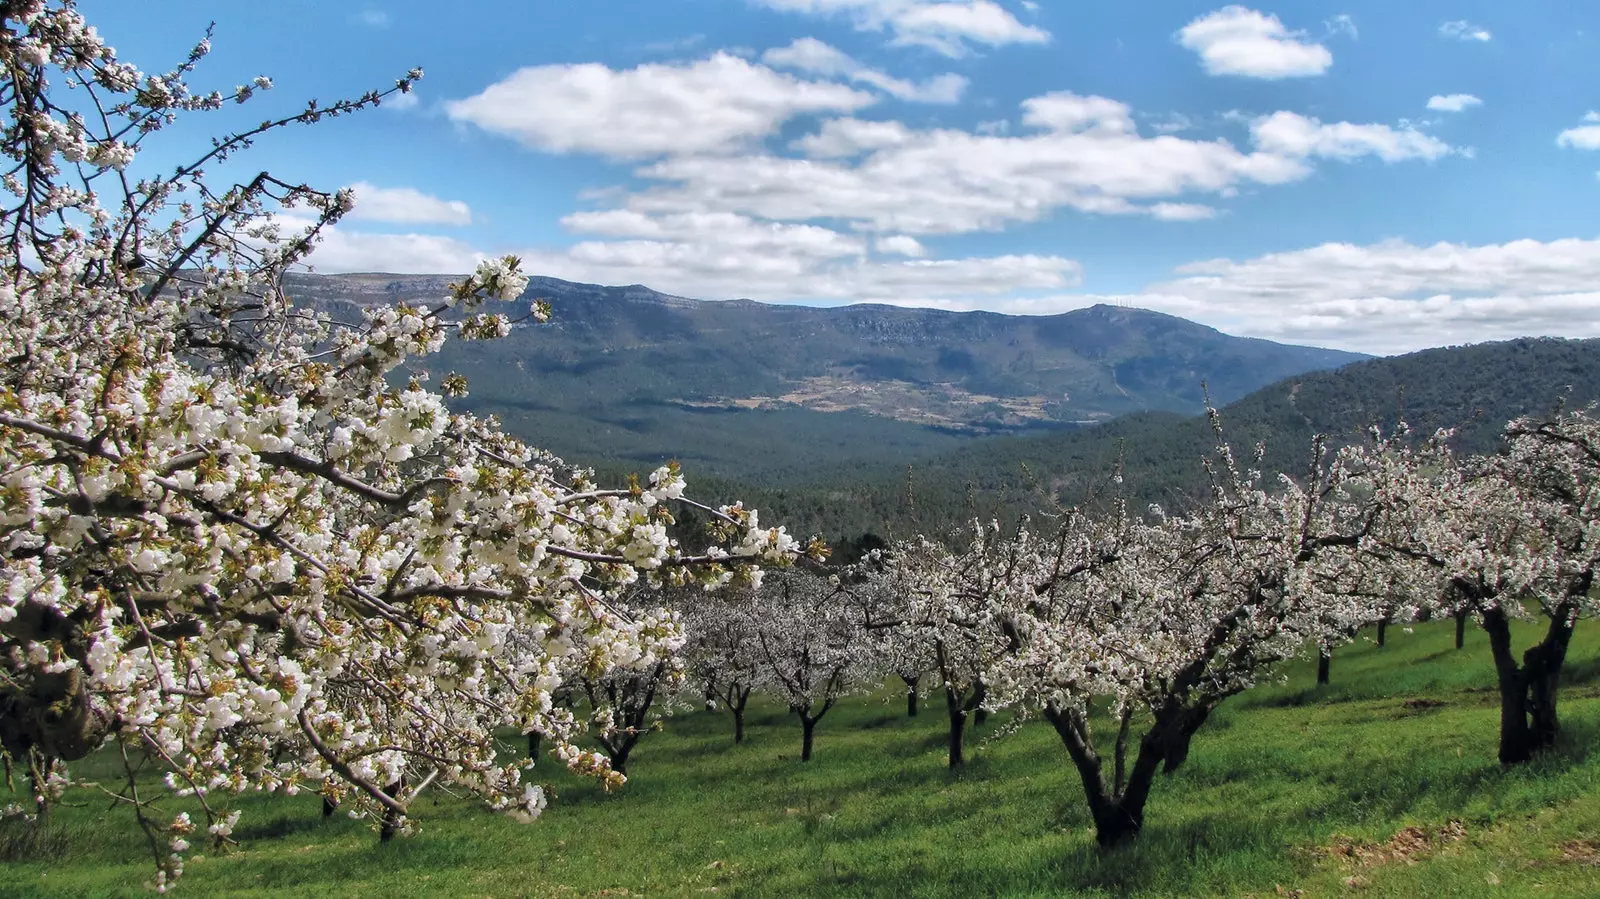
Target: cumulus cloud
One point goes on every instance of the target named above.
(1182, 212)
(1583, 137)
(1235, 40)
(901, 245)
(950, 27)
(343, 250)
(406, 206)
(723, 255)
(1078, 152)
(1291, 134)
(709, 105)
(1462, 30)
(808, 54)
(1453, 102)
(1395, 296)
(1389, 297)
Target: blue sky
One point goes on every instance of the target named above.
(1370, 175)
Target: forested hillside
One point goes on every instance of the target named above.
(757, 391)
(1473, 389)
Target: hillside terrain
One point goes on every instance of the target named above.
(629, 375)
(1474, 390)
(1383, 783)
(879, 419)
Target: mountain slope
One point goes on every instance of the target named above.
(1474, 389)
(635, 376)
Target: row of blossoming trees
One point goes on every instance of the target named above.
(245, 543)
(1152, 619)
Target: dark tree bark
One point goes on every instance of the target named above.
(632, 698)
(957, 711)
(1516, 745)
(737, 699)
(980, 692)
(1117, 807)
(1541, 666)
(1528, 719)
(1324, 662)
(1461, 629)
(391, 818)
(328, 806)
(808, 727)
(1383, 628)
(911, 694)
(533, 744)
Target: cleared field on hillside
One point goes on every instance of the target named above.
(1289, 786)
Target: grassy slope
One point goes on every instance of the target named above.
(1278, 776)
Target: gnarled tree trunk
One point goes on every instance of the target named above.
(808, 726)
(737, 698)
(957, 712)
(1517, 743)
(911, 694)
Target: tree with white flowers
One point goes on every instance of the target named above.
(1515, 536)
(627, 699)
(1158, 619)
(953, 611)
(814, 649)
(723, 650)
(884, 606)
(236, 537)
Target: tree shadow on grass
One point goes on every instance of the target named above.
(280, 826)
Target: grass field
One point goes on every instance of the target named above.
(1382, 784)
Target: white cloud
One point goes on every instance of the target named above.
(1462, 30)
(373, 18)
(808, 54)
(716, 232)
(901, 245)
(950, 27)
(1390, 297)
(401, 102)
(406, 206)
(1080, 152)
(710, 105)
(1239, 41)
(1294, 135)
(1583, 137)
(1342, 24)
(723, 255)
(844, 138)
(1182, 212)
(1069, 113)
(1452, 102)
(343, 250)
(1395, 296)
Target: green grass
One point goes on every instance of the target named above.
(1278, 779)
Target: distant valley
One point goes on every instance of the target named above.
(745, 389)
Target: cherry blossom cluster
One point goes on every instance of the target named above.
(244, 541)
